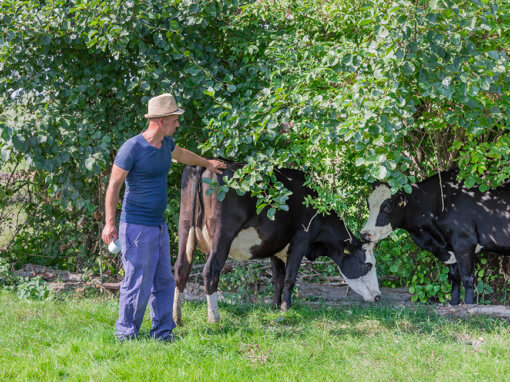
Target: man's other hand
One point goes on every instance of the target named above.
(109, 233)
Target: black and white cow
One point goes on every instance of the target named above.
(233, 228)
(455, 229)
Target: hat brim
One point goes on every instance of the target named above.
(177, 112)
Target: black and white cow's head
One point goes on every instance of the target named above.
(357, 266)
(386, 213)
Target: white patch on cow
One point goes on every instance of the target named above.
(452, 259)
(369, 253)
(177, 306)
(282, 255)
(243, 242)
(368, 285)
(191, 243)
(375, 200)
(212, 308)
(204, 239)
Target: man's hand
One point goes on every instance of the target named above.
(109, 233)
(190, 158)
(215, 165)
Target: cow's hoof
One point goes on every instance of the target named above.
(178, 321)
(213, 319)
(284, 307)
(454, 302)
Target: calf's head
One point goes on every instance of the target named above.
(357, 266)
(386, 213)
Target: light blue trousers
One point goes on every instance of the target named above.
(148, 278)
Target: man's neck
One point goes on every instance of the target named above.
(153, 136)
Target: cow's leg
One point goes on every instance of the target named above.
(465, 261)
(297, 250)
(187, 245)
(454, 277)
(220, 248)
(464, 249)
(278, 267)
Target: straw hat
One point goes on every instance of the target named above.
(163, 106)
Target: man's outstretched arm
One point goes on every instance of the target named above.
(188, 157)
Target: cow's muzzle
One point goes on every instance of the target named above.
(366, 236)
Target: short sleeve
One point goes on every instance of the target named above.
(124, 157)
(172, 144)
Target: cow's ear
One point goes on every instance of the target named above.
(375, 184)
(402, 201)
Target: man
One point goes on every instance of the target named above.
(143, 161)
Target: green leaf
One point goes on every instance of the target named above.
(365, 22)
(46, 40)
(470, 182)
(379, 172)
(493, 54)
(210, 91)
(89, 163)
(260, 207)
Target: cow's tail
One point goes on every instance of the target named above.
(191, 178)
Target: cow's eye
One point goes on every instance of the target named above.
(387, 207)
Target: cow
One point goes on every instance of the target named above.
(232, 227)
(445, 217)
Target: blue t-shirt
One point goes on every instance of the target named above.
(145, 195)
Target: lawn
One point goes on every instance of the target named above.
(72, 337)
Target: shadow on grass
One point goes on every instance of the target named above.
(359, 321)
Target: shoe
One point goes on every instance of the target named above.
(129, 337)
(169, 338)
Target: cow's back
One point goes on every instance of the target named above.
(235, 218)
(484, 216)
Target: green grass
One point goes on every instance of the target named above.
(73, 338)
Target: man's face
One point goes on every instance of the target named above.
(169, 125)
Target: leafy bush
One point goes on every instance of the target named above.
(25, 287)
(32, 288)
(421, 271)
(244, 282)
(491, 286)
